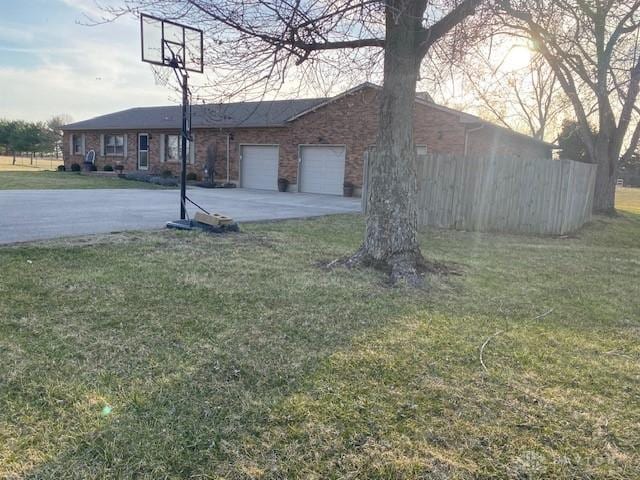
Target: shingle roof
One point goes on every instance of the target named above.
(267, 113)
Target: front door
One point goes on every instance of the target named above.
(143, 151)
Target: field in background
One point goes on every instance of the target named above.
(25, 164)
(628, 199)
(183, 355)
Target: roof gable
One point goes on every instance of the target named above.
(463, 117)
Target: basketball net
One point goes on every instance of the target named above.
(161, 76)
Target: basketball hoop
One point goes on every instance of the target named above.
(169, 44)
(165, 43)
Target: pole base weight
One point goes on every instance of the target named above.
(203, 227)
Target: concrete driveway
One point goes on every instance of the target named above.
(27, 215)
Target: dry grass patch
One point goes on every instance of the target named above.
(628, 199)
(26, 164)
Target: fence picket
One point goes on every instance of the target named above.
(541, 196)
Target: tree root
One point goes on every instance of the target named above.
(404, 269)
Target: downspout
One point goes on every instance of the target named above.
(466, 138)
(228, 142)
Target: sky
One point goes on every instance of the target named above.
(51, 63)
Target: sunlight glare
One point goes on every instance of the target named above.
(518, 57)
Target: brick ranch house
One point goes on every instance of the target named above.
(316, 144)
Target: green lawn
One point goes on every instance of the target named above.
(58, 180)
(181, 355)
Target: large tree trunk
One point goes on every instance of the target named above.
(390, 237)
(604, 196)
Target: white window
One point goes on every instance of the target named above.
(77, 144)
(114, 145)
(173, 149)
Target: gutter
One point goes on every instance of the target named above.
(466, 137)
(228, 145)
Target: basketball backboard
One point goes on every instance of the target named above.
(171, 44)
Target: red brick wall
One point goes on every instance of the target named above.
(130, 162)
(92, 142)
(351, 121)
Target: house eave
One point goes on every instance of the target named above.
(166, 127)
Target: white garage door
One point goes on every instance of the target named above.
(259, 167)
(322, 169)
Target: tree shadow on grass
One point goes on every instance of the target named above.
(402, 399)
(199, 417)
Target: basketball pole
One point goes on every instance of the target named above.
(185, 135)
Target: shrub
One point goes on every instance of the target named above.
(108, 168)
(192, 176)
(144, 177)
(61, 168)
(75, 167)
(138, 176)
(166, 173)
(93, 168)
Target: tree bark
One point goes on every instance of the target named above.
(390, 237)
(604, 195)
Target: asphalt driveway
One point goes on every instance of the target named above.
(27, 215)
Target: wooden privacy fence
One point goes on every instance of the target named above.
(552, 197)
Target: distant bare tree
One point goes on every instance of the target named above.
(592, 47)
(527, 99)
(54, 127)
(255, 44)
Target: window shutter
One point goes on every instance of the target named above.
(83, 145)
(192, 149)
(71, 152)
(126, 137)
(101, 153)
(162, 159)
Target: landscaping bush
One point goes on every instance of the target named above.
(138, 176)
(108, 168)
(61, 168)
(166, 174)
(145, 177)
(165, 182)
(192, 176)
(75, 167)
